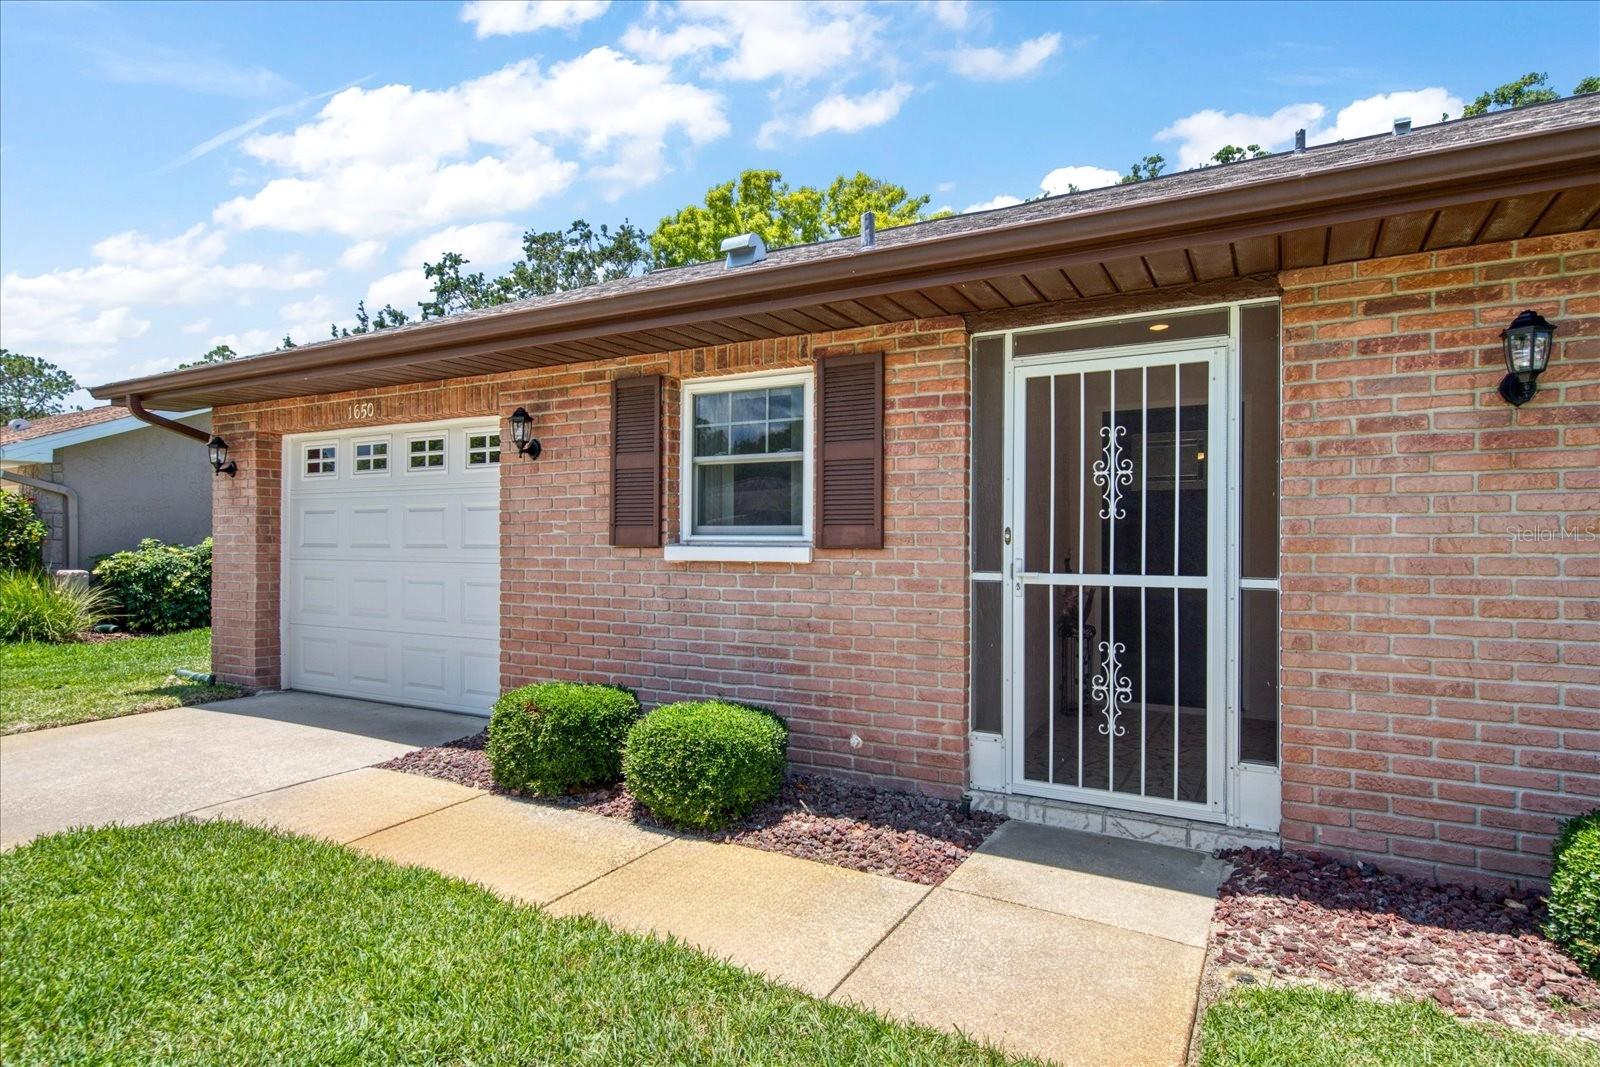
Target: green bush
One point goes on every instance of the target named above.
(36, 607)
(703, 764)
(1574, 921)
(161, 587)
(22, 533)
(556, 736)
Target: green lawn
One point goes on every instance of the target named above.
(53, 685)
(1298, 1026)
(220, 943)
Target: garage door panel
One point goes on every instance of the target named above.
(392, 578)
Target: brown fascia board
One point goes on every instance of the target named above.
(1540, 160)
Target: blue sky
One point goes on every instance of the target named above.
(174, 176)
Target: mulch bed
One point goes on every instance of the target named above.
(815, 817)
(1477, 954)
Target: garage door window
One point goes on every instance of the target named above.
(483, 449)
(372, 457)
(426, 453)
(320, 461)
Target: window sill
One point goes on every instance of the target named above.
(738, 553)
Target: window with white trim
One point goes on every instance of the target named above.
(372, 457)
(425, 453)
(321, 460)
(483, 449)
(747, 458)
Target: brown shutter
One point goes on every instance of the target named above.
(636, 462)
(850, 451)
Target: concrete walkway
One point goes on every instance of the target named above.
(1071, 947)
(163, 763)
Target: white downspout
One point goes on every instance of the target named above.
(67, 493)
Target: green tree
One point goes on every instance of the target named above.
(31, 388)
(1591, 84)
(1531, 88)
(387, 316)
(552, 261)
(761, 202)
(219, 354)
(1232, 153)
(1146, 168)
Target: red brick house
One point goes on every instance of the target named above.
(1187, 509)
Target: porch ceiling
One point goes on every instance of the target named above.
(1536, 172)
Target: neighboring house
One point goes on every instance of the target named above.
(1186, 509)
(103, 480)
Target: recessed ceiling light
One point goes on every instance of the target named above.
(1157, 327)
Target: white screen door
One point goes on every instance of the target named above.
(1119, 552)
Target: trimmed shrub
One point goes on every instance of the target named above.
(34, 606)
(703, 764)
(1574, 921)
(162, 588)
(22, 533)
(557, 736)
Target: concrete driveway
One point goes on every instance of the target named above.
(165, 763)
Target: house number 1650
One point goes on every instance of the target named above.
(361, 409)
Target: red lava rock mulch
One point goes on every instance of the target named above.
(902, 835)
(1477, 954)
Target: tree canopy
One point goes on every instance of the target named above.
(31, 388)
(761, 202)
(219, 354)
(1531, 88)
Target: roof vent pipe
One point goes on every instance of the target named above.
(743, 250)
(1300, 140)
(1402, 125)
(869, 229)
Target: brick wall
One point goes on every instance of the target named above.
(870, 643)
(1441, 560)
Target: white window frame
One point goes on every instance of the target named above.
(440, 435)
(305, 459)
(355, 457)
(468, 450)
(754, 547)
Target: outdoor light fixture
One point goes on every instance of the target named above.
(1527, 342)
(218, 449)
(522, 434)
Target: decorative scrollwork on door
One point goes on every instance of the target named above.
(1111, 689)
(1112, 472)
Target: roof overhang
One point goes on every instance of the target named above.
(1538, 181)
(42, 449)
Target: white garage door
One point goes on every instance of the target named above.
(392, 564)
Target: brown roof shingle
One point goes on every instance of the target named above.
(67, 420)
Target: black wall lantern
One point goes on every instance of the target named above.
(1527, 340)
(218, 449)
(522, 434)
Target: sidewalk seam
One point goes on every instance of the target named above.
(609, 873)
(1082, 919)
(927, 892)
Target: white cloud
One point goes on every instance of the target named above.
(362, 255)
(134, 62)
(755, 41)
(1376, 114)
(998, 64)
(1200, 135)
(80, 316)
(397, 159)
(134, 268)
(951, 14)
(405, 289)
(1064, 179)
(482, 243)
(491, 17)
(233, 133)
(838, 114)
(1003, 200)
